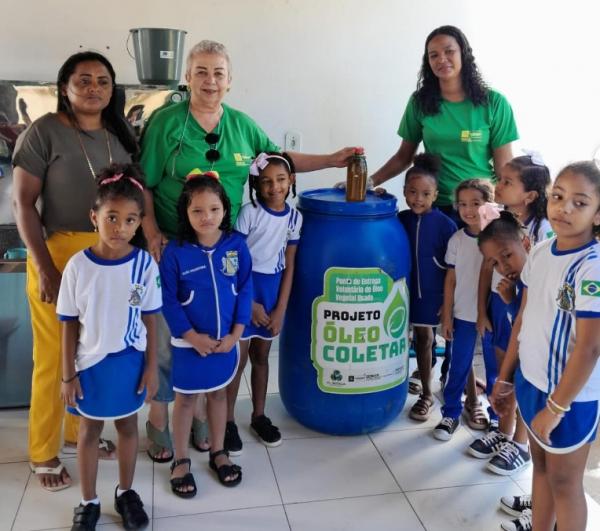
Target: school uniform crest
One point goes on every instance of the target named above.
(230, 263)
(135, 294)
(566, 297)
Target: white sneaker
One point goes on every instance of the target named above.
(446, 428)
(523, 523)
(515, 505)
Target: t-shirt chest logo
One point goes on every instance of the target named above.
(471, 136)
(566, 297)
(230, 264)
(241, 159)
(135, 294)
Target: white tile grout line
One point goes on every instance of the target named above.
(395, 480)
(153, 479)
(278, 488)
(31, 474)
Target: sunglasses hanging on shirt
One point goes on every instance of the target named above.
(212, 155)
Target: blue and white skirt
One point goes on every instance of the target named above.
(266, 292)
(576, 428)
(110, 387)
(193, 373)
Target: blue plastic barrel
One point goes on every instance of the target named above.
(343, 360)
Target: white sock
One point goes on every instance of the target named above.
(507, 436)
(522, 446)
(95, 501)
(121, 491)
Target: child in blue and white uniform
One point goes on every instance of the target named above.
(207, 290)
(459, 311)
(429, 231)
(553, 350)
(522, 189)
(505, 244)
(272, 230)
(108, 298)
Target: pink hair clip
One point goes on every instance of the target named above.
(117, 177)
(488, 212)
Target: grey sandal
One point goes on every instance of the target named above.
(159, 441)
(199, 434)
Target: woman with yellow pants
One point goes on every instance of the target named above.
(56, 160)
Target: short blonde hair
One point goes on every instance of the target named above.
(207, 46)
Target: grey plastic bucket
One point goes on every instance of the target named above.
(158, 55)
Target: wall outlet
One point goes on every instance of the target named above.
(293, 141)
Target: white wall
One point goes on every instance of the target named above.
(341, 71)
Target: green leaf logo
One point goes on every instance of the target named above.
(394, 320)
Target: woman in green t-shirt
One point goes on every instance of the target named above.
(202, 133)
(456, 116)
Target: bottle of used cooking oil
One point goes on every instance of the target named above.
(356, 179)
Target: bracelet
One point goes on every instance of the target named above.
(505, 382)
(69, 380)
(554, 412)
(556, 406)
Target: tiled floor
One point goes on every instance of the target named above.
(397, 479)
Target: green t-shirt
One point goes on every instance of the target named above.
(463, 135)
(241, 139)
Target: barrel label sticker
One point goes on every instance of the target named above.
(167, 54)
(359, 335)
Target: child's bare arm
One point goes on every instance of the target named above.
(483, 291)
(70, 389)
(448, 306)
(285, 289)
(501, 403)
(150, 376)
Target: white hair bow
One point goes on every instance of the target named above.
(535, 156)
(261, 162)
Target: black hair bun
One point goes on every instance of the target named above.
(508, 216)
(427, 162)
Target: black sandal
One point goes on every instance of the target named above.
(130, 507)
(185, 481)
(224, 471)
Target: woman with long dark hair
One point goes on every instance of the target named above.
(56, 160)
(456, 116)
(468, 125)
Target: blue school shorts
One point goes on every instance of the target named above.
(501, 327)
(576, 428)
(425, 312)
(110, 387)
(266, 292)
(193, 373)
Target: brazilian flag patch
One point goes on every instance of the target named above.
(590, 288)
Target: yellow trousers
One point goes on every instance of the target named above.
(47, 409)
